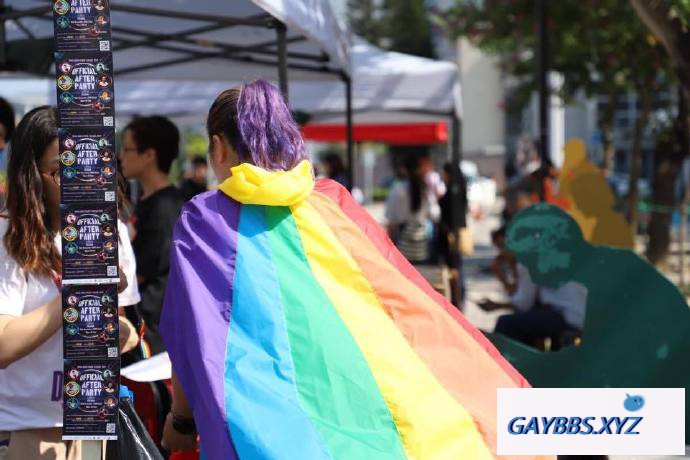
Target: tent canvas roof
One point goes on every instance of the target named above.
(202, 39)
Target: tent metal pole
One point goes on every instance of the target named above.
(350, 133)
(152, 39)
(3, 37)
(193, 56)
(456, 158)
(24, 29)
(262, 20)
(543, 69)
(438, 114)
(281, 35)
(267, 44)
(457, 203)
(15, 14)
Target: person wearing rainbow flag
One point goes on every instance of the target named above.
(295, 328)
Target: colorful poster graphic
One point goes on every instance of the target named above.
(89, 244)
(88, 166)
(90, 323)
(81, 25)
(85, 90)
(90, 399)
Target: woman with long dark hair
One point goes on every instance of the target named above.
(30, 304)
(295, 328)
(411, 210)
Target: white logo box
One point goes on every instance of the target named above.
(659, 413)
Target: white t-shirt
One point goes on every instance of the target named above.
(570, 300)
(31, 388)
(398, 211)
(125, 253)
(435, 184)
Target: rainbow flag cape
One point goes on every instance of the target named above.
(298, 331)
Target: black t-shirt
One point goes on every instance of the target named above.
(156, 217)
(445, 224)
(190, 189)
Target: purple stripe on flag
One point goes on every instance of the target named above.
(196, 313)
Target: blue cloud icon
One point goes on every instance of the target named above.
(633, 403)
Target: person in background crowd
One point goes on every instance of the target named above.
(31, 378)
(411, 212)
(149, 147)
(540, 312)
(504, 265)
(519, 195)
(448, 247)
(196, 182)
(6, 130)
(436, 188)
(433, 180)
(334, 168)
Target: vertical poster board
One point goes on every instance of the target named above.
(88, 182)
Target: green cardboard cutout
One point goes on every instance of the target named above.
(637, 323)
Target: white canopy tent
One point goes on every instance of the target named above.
(175, 57)
(195, 39)
(388, 87)
(387, 84)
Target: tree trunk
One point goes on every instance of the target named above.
(684, 115)
(607, 132)
(670, 153)
(683, 234)
(636, 160)
(666, 169)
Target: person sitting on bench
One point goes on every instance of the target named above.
(540, 312)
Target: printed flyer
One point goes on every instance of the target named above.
(81, 25)
(90, 399)
(89, 243)
(88, 166)
(85, 90)
(90, 322)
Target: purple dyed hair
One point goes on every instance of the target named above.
(257, 123)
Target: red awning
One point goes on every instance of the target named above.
(397, 134)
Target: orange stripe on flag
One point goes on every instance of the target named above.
(386, 248)
(453, 356)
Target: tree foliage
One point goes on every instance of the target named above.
(599, 46)
(397, 25)
(363, 17)
(669, 21)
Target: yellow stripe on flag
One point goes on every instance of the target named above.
(431, 423)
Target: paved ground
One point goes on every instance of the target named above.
(479, 282)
